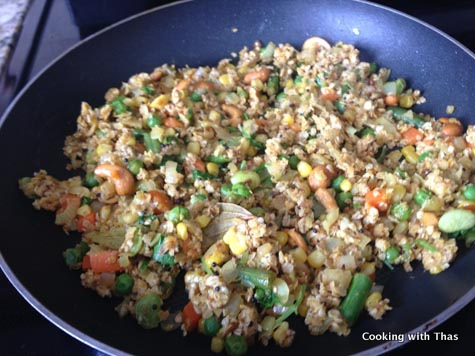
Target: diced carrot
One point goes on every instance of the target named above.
(171, 122)
(68, 200)
(86, 263)
(429, 141)
(378, 198)
(161, 200)
(412, 136)
(104, 261)
(296, 239)
(87, 222)
(190, 317)
(329, 94)
(391, 100)
(429, 219)
(200, 165)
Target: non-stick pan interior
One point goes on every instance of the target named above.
(201, 33)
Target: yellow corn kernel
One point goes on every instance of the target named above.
(303, 308)
(226, 79)
(160, 101)
(214, 116)
(406, 101)
(130, 218)
(410, 154)
(245, 144)
(217, 344)
(373, 300)
(201, 326)
(216, 254)
(131, 141)
(306, 188)
(194, 147)
(257, 84)
(289, 84)
(304, 169)
(346, 185)
(103, 148)
(398, 193)
(280, 333)
(251, 151)
(182, 230)
(157, 133)
(299, 254)
(316, 259)
(212, 168)
(282, 237)
(301, 87)
(203, 220)
(105, 212)
(243, 69)
(236, 243)
(288, 119)
(84, 210)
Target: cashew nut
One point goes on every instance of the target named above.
(183, 84)
(235, 114)
(262, 75)
(314, 44)
(122, 179)
(204, 85)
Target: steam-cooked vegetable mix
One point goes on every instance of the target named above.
(279, 184)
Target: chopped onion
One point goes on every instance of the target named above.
(388, 126)
(96, 205)
(232, 308)
(229, 271)
(171, 176)
(346, 262)
(333, 243)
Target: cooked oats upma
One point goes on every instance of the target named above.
(278, 183)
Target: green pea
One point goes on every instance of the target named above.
(83, 248)
(72, 257)
(340, 107)
(280, 97)
(90, 180)
(86, 201)
(422, 196)
(147, 309)
(293, 161)
(392, 253)
(212, 326)
(469, 192)
(154, 120)
(235, 345)
(273, 83)
(135, 166)
(337, 182)
(195, 96)
(241, 190)
(367, 131)
(178, 213)
(124, 284)
(456, 220)
(250, 177)
(343, 199)
(401, 211)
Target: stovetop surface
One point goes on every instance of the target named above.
(51, 27)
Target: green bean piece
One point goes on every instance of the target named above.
(197, 197)
(423, 156)
(392, 253)
(268, 51)
(235, 345)
(336, 182)
(135, 166)
(298, 79)
(118, 105)
(354, 301)
(90, 180)
(150, 143)
(401, 211)
(401, 173)
(197, 174)
(255, 277)
(154, 120)
(280, 97)
(382, 154)
(456, 220)
(345, 89)
(293, 161)
(426, 245)
(148, 90)
(469, 192)
(400, 114)
(240, 190)
(422, 196)
(178, 213)
(266, 298)
(367, 131)
(124, 284)
(195, 97)
(211, 326)
(373, 68)
(400, 85)
(147, 309)
(218, 159)
(273, 83)
(343, 199)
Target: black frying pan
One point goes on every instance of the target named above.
(197, 33)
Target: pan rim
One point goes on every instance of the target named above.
(108, 349)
